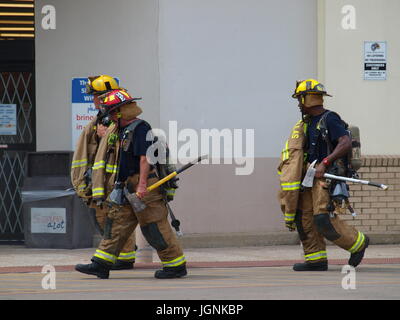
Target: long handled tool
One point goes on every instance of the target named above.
(137, 204)
(174, 221)
(369, 183)
(309, 179)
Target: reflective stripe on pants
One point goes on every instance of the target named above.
(358, 244)
(110, 258)
(127, 256)
(316, 256)
(174, 263)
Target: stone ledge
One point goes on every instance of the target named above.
(254, 239)
(268, 239)
(239, 239)
(380, 161)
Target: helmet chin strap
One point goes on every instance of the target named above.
(119, 117)
(304, 117)
(302, 107)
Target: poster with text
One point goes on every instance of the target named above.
(8, 119)
(375, 60)
(48, 220)
(83, 110)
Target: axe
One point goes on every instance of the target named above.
(309, 178)
(137, 204)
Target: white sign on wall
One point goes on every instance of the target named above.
(8, 119)
(375, 60)
(48, 220)
(83, 110)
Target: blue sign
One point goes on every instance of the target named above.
(79, 94)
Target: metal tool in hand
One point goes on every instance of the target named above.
(310, 174)
(137, 204)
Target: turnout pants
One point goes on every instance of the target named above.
(128, 251)
(314, 224)
(153, 221)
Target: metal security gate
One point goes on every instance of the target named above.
(12, 166)
(17, 133)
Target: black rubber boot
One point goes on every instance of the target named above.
(94, 268)
(316, 266)
(171, 272)
(355, 258)
(122, 265)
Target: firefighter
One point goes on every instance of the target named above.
(83, 161)
(311, 210)
(127, 154)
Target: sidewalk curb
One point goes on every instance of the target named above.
(216, 264)
(256, 239)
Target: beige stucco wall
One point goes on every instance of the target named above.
(93, 37)
(212, 199)
(205, 64)
(372, 105)
(233, 64)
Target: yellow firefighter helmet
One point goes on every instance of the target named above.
(101, 84)
(309, 86)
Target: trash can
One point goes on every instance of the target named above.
(54, 217)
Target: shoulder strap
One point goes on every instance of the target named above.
(322, 121)
(323, 129)
(132, 126)
(128, 133)
(322, 126)
(126, 141)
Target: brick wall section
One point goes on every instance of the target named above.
(377, 210)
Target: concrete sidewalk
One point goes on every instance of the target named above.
(15, 258)
(242, 273)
